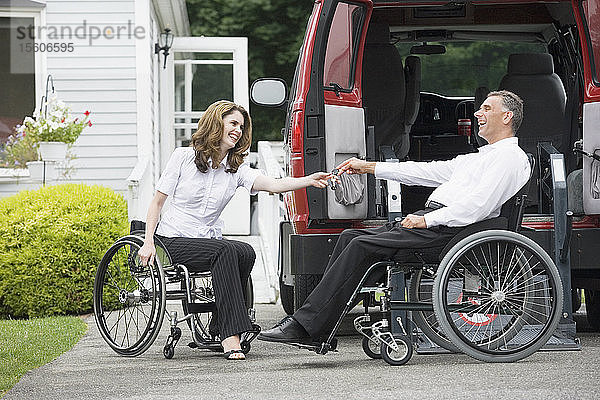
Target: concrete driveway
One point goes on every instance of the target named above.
(91, 370)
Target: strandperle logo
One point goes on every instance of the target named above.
(84, 31)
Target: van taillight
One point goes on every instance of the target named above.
(297, 131)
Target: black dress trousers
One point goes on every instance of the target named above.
(230, 263)
(355, 251)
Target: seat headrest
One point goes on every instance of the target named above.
(378, 33)
(530, 64)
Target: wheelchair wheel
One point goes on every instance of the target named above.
(129, 299)
(203, 307)
(420, 290)
(400, 357)
(371, 348)
(202, 325)
(498, 296)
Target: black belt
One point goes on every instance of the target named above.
(434, 205)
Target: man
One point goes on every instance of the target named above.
(469, 188)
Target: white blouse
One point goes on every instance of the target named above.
(197, 198)
(472, 186)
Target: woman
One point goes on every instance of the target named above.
(202, 179)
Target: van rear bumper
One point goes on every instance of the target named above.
(310, 253)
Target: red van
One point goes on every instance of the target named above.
(395, 80)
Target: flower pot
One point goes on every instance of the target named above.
(53, 151)
(42, 170)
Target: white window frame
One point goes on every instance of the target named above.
(238, 46)
(40, 66)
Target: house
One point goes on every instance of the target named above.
(100, 56)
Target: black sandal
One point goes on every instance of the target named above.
(230, 355)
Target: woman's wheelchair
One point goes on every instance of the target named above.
(491, 293)
(130, 300)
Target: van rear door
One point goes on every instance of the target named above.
(344, 115)
(334, 118)
(587, 13)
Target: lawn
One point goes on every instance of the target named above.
(28, 344)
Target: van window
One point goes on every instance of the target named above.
(342, 45)
(467, 65)
(591, 9)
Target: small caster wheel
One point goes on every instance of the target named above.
(371, 348)
(168, 351)
(176, 333)
(400, 357)
(245, 347)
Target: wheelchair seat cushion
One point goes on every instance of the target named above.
(428, 255)
(487, 224)
(433, 255)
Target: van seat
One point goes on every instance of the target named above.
(384, 89)
(532, 77)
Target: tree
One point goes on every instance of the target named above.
(275, 30)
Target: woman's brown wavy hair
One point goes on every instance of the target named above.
(206, 141)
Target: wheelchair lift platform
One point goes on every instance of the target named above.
(562, 340)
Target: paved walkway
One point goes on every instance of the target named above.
(91, 370)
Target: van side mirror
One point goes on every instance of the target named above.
(268, 92)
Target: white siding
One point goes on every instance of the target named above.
(99, 77)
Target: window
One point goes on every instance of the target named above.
(201, 78)
(17, 73)
(342, 46)
(467, 65)
(591, 10)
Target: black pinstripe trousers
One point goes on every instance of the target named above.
(230, 263)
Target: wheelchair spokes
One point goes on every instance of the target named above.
(127, 299)
(420, 290)
(500, 297)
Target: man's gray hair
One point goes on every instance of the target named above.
(511, 102)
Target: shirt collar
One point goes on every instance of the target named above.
(509, 141)
(223, 162)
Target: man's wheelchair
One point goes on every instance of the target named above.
(130, 300)
(491, 293)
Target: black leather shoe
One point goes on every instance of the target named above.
(288, 330)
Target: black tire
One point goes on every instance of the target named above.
(168, 352)
(592, 307)
(397, 358)
(129, 299)
(249, 293)
(303, 286)
(246, 347)
(371, 348)
(511, 286)
(420, 290)
(286, 294)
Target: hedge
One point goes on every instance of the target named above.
(51, 241)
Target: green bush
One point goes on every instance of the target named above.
(51, 241)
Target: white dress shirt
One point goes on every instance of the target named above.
(197, 198)
(472, 186)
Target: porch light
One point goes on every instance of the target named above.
(165, 41)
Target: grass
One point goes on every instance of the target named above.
(28, 344)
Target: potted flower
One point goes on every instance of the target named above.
(21, 151)
(54, 129)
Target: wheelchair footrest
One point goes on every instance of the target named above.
(317, 347)
(212, 346)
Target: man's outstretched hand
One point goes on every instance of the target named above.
(355, 166)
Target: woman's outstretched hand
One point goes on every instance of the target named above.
(319, 179)
(356, 166)
(147, 253)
